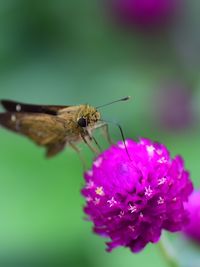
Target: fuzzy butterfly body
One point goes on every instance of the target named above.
(52, 127)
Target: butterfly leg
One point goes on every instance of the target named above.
(73, 146)
(88, 141)
(92, 138)
(97, 144)
(105, 132)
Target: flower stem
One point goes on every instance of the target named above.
(168, 252)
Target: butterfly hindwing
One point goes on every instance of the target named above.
(43, 129)
(53, 149)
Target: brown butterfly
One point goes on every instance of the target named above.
(54, 127)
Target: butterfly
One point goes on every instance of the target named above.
(55, 127)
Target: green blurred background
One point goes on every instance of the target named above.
(73, 52)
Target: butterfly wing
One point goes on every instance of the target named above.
(13, 106)
(44, 129)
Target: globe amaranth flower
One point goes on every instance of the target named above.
(131, 198)
(192, 230)
(144, 13)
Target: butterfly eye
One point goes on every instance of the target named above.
(82, 122)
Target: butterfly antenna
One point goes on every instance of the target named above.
(110, 103)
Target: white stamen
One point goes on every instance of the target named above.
(121, 214)
(148, 191)
(131, 227)
(18, 107)
(96, 201)
(88, 198)
(132, 208)
(160, 201)
(159, 151)
(98, 162)
(99, 191)
(161, 180)
(111, 202)
(150, 150)
(89, 184)
(141, 215)
(142, 142)
(89, 173)
(162, 160)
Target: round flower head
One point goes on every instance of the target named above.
(192, 230)
(131, 198)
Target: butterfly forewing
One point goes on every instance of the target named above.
(13, 106)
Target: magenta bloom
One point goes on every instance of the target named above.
(131, 201)
(144, 13)
(192, 230)
(174, 106)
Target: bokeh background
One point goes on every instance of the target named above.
(92, 51)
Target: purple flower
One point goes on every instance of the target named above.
(143, 13)
(192, 230)
(130, 200)
(174, 109)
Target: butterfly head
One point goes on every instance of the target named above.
(88, 116)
